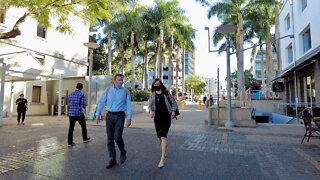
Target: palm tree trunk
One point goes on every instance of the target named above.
(109, 53)
(277, 35)
(240, 57)
(132, 60)
(183, 68)
(122, 57)
(170, 62)
(146, 67)
(269, 62)
(156, 75)
(159, 66)
(177, 70)
(262, 68)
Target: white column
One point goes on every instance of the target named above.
(3, 79)
(11, 101)
(90, 80)
(60, 97)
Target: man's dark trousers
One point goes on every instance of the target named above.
(114, 126)
(82, 122)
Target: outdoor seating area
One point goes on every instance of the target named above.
(311, 119)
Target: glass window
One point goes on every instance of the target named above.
(40, 58)
(306, 41)
(287, 22)
(304, 4)
(36, 94)
(41, 31)
(289, 54)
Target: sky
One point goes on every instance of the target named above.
(206, 63)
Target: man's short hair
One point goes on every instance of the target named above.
(118, 75)
(21, 95)
(79, 86)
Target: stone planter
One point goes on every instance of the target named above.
(241, 117)
(139, 107)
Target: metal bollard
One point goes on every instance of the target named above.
(199, 105)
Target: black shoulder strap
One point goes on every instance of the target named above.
(168, 97)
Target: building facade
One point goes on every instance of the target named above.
(169, 77)
(189, 63)
(259, 63)
(37, 58)
(300, 53)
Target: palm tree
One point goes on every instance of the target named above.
(133, 25)
(277, 33)
(262, 11)
(188, 34)
(164, 15)
(232, 11)
(119, 26)
(149, 34)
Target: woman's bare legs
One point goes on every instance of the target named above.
(163, 142)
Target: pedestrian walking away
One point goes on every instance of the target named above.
(77, 112)
(117, 100)
(162, 108)
(204, 99)
(22, 107)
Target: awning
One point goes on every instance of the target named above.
(23, 66)
(300, 65)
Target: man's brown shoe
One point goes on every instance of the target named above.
(112, 163)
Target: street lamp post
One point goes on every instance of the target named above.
(91, 46)
(226, 30)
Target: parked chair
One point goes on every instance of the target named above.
(308, 124)
(316, 113)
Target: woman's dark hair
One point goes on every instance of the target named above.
(163, 88)
(79, 86)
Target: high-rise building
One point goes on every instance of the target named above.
(259, 63)
(189, 63)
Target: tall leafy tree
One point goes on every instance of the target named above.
(195, 83)
(44, 11)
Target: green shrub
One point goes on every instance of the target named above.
(140, 95)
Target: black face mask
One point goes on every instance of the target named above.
(157, 88)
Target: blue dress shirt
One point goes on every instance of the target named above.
(117, 100)
(76, 103)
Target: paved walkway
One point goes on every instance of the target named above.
(38, 150)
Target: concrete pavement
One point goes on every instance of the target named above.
(39, 150)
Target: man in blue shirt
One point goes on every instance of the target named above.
(77, 112)
(117, 100)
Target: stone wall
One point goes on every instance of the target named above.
(241, 117)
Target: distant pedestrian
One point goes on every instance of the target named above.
(22, 107)
(77, 112)
(204, 99)
(211, 102)
(117, 100)
(161, 107)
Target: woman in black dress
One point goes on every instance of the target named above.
(161, 108)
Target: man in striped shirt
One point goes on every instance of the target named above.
(77, 112)
(117, 100)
